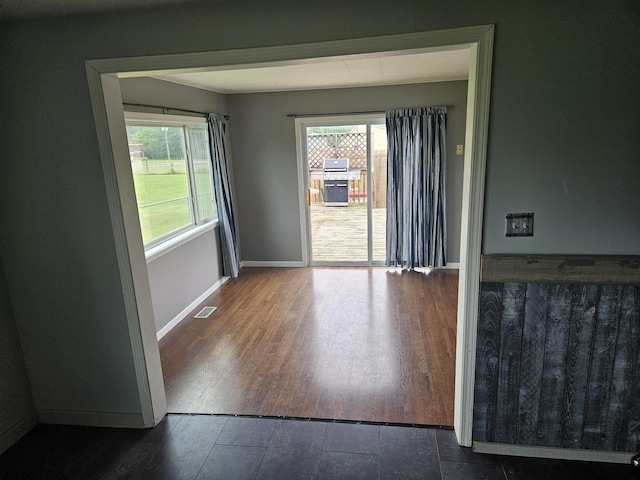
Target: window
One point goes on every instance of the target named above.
(171, 173)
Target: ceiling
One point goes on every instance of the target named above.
(335, 73)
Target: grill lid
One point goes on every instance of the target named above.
(336, 164)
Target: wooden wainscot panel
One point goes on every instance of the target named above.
(558, 356)
(574, 269)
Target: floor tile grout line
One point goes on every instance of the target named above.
(215, 442)
(264, 454)
(438, 453)
(504, 470)
(324, 442)
(379, 453)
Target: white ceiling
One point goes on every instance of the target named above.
(335, 73)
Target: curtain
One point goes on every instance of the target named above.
(222, 191)
(416, 163)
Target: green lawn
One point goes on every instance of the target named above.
(156, 188)
(158, 220)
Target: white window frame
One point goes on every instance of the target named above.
(172, 240)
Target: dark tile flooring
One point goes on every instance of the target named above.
(223, 447)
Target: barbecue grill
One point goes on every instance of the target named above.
(336, 182)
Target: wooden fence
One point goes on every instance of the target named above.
(358, 185)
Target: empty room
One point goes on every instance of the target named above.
(315, 325)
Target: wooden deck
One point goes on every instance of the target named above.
(339, 234)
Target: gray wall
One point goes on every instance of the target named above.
(180, 276)
(17, 413)
(151, 91)
(265, 164)
(563, 142)
(564, 128)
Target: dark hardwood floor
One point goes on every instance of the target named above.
(365, 343)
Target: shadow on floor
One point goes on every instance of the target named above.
(227, 447)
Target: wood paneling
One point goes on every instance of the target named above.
(625, 383)
(488, 350)
(617, 413)
(568, 365)
(510, 358)
(554, 365)
(366, 343)
(602, 270)
(532, 360)
(577, 368)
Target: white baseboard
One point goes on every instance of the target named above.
(550, 452)
(451, 266)
(91, 419)
(189, 308)
(448, 266)
(17, 431)
(251, 263)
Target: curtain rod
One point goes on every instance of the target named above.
(337, 114)
(167, 109)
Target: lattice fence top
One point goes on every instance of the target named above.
(337, 145)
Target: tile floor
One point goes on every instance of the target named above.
(224, 447)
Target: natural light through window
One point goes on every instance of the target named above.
(172, 175)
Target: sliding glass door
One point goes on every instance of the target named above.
(345, 181)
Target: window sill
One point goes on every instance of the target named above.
(175, 242)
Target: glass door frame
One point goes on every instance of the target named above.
(301, 124)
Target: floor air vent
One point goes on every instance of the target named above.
(205, 312)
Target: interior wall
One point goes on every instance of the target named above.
(17, 413)
(563, 143)
(152, 91)
(178, 277)
(181, 276)
(265, 162)
(564, 129)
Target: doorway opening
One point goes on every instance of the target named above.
(345, 174)
(108, 114)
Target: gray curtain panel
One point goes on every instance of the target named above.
(416, 164)
(222, 190)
